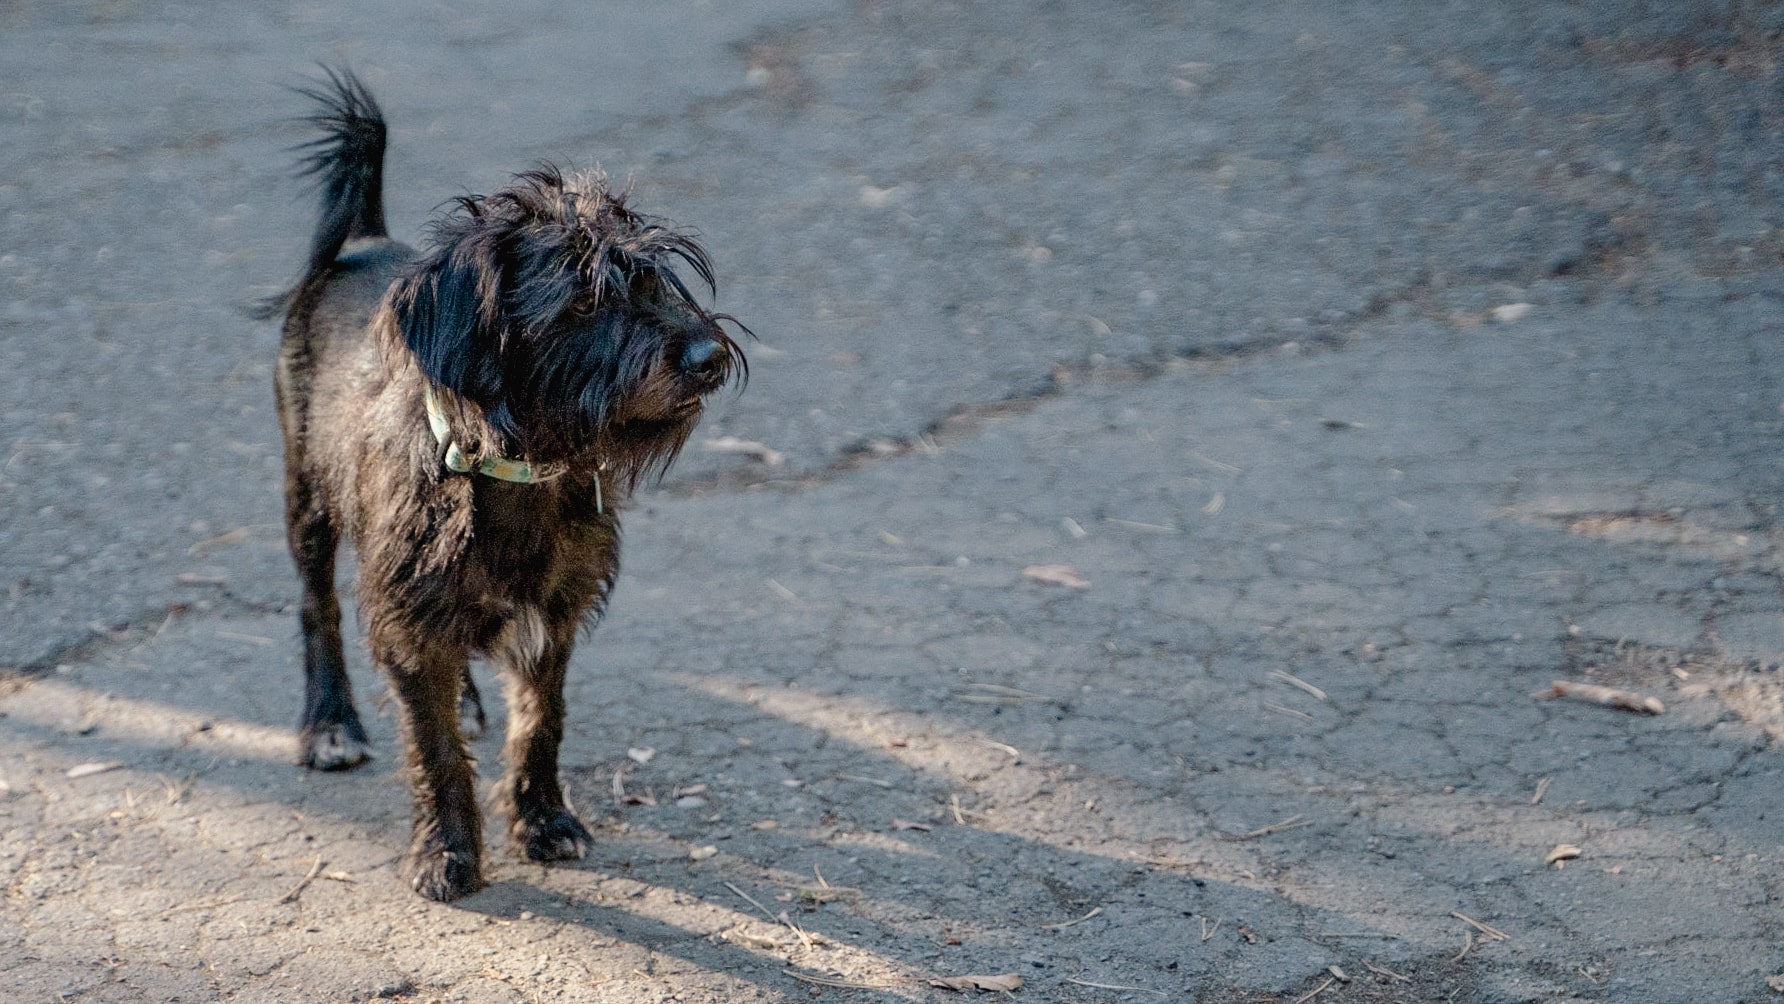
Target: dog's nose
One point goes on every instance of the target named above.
(704, 360)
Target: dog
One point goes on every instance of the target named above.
(473, 416)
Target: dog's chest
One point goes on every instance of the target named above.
(542, 548)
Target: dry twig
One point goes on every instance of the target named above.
(1293, 822)
(1142, 527)
(1279, 709)
(991, 693)
(1486, 929)
(799, 932)
(1316, 991)
(751, 900)
(805, 938)
(1295, 681)
(845, 984)
(1115, 986)
(1385, 971)
(298, 889)
(1071, 923)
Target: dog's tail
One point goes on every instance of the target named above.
(348, 162)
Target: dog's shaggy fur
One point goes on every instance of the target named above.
(550, 323)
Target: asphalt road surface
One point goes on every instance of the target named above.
(1185, 443)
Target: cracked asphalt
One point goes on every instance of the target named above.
(1200, 434)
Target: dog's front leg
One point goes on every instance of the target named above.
(532, 655)
(443, 862)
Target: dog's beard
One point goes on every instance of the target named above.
(607, 394)
(640, 449)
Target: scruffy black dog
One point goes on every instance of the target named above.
(472, 416)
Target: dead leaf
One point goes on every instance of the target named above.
(89, 769)
(731, 444)
(905, 824)
(1057, 575)
(825, 893)
(1776, 982)
(624, 797)
(1005, 981)
(1511, 313)
(702, 853)
(234, 536)
(1562, 852)
(742, 937)
(641, 754)
(1627, 700)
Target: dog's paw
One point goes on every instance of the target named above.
(472, 723)
(557, 837)
(443, 875)
(331, 748)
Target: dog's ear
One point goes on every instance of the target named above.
(449, 314)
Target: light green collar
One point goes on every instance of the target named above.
(500, 468)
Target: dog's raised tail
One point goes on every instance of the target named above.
(348, 162)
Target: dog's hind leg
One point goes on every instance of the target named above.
(532, 654)
(445, 849)
(330, 736)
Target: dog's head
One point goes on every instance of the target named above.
(557, 323)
